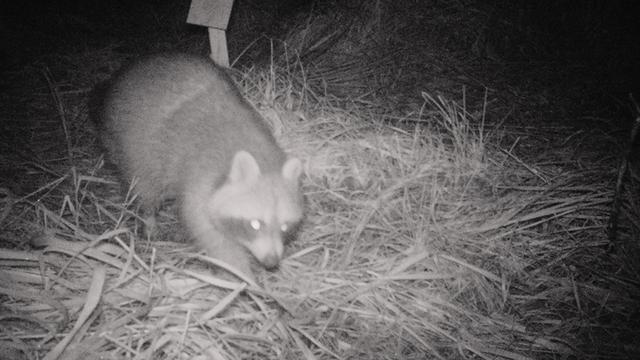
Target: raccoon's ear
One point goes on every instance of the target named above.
(243, 167)
(292, 169)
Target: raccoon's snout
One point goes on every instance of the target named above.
(270, 261)
(268, 251)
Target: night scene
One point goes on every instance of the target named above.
(319, 179)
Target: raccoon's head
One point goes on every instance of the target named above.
(260, 211)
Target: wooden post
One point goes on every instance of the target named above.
(214, 14)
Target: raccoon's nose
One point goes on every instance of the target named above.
(271, 261)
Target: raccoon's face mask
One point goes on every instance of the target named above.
(259, 211)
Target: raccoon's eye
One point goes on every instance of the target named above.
(289, 227)
(255, 224)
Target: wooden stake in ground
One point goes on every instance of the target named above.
(214, 14)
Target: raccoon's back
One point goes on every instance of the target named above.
(171, 117)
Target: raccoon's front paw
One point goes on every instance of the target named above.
(235, 259)
(240, 268)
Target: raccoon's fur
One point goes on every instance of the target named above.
(180, 127)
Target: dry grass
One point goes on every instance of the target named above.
(416, 243)
(433, 235)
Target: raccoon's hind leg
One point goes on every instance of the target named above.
(150, 226)
(149, 212)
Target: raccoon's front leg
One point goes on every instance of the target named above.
(229, 252)
(196, 217)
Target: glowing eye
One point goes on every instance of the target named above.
(284, 228)
(255, 224)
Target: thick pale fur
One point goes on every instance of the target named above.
(178, 124)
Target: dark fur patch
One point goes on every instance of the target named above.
(239, 229)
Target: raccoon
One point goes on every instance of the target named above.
(178, 125)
